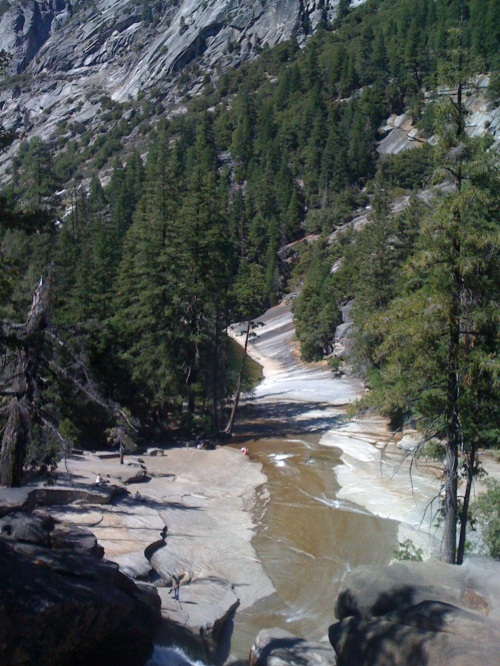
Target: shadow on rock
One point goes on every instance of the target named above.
(401, 615)
(279, 419)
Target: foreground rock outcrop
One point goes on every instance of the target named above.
(206, 604)
(29, 498)
(276, 647)
(413, 614)
(192, 519)
(61, 604)
(431, 633)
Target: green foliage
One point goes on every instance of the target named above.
(407, 551)
(411, 169)
(493, 90)
(43, 451)
(157, 263)
(335, 364)
(485, 511)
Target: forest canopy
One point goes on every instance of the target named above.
(150, 247)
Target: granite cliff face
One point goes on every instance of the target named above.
(66, 56)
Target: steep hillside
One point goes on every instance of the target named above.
(156, 250)
(66, 56)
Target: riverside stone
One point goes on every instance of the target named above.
(112, 620)
(416, 613)
(134, 476)
(431, 633)
(42, 529)
(204, 606)
(193, 517)
(28, 498)
(370, 591)
(277, 647)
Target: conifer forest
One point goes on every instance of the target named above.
(123, 262)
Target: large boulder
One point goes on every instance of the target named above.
(204, 607)
(61, 605)
(370, 591)
(277, 647)
(414, 613)
(431, 633)
(27, 499)
(42, 529)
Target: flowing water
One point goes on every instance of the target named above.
(306, 539)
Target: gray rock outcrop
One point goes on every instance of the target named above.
(197, 620)
(371, 591)
(412, 613)
(431, 633)
(27, 499)
(41, 529)
(276, 647)
(44, 584)
(73, 54)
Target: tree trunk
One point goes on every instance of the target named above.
(471, 470)
(122, 453)
(215, 376)
(229, 428)
(14, 443)
(452, 417)
(21, 408)
(452, 421)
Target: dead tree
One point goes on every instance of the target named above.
(228, 431)
(31, 353)
(22, 345)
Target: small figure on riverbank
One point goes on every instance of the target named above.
(100, 481)
(244, 450)
(138, 496)
(175, 587)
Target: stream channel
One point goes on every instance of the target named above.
(306, 538)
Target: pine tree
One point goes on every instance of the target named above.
(440, 338)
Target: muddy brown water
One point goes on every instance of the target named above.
(306, 539)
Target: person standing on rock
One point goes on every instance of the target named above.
(175, 587)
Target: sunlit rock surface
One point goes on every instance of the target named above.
(419, 613)
(74, 53)
(192, 518)
(276, 647)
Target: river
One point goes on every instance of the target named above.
(327, 506)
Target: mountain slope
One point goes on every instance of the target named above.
(66, 56)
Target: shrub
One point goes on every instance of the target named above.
(485, 511)
(408, 551)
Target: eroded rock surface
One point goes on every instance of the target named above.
(63, 606)
(412, 613)
(41, 529)
(198, 617)
(28, 498)
(431, 633)
(77, 52)
(372, 591)
(192, 518)
(276, 647)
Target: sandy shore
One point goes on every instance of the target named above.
(374, 474)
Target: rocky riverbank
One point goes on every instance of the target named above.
(406, 614)
(61, 603)
(190, 513)
(375, 473)
(192, 518)
(379, 472)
